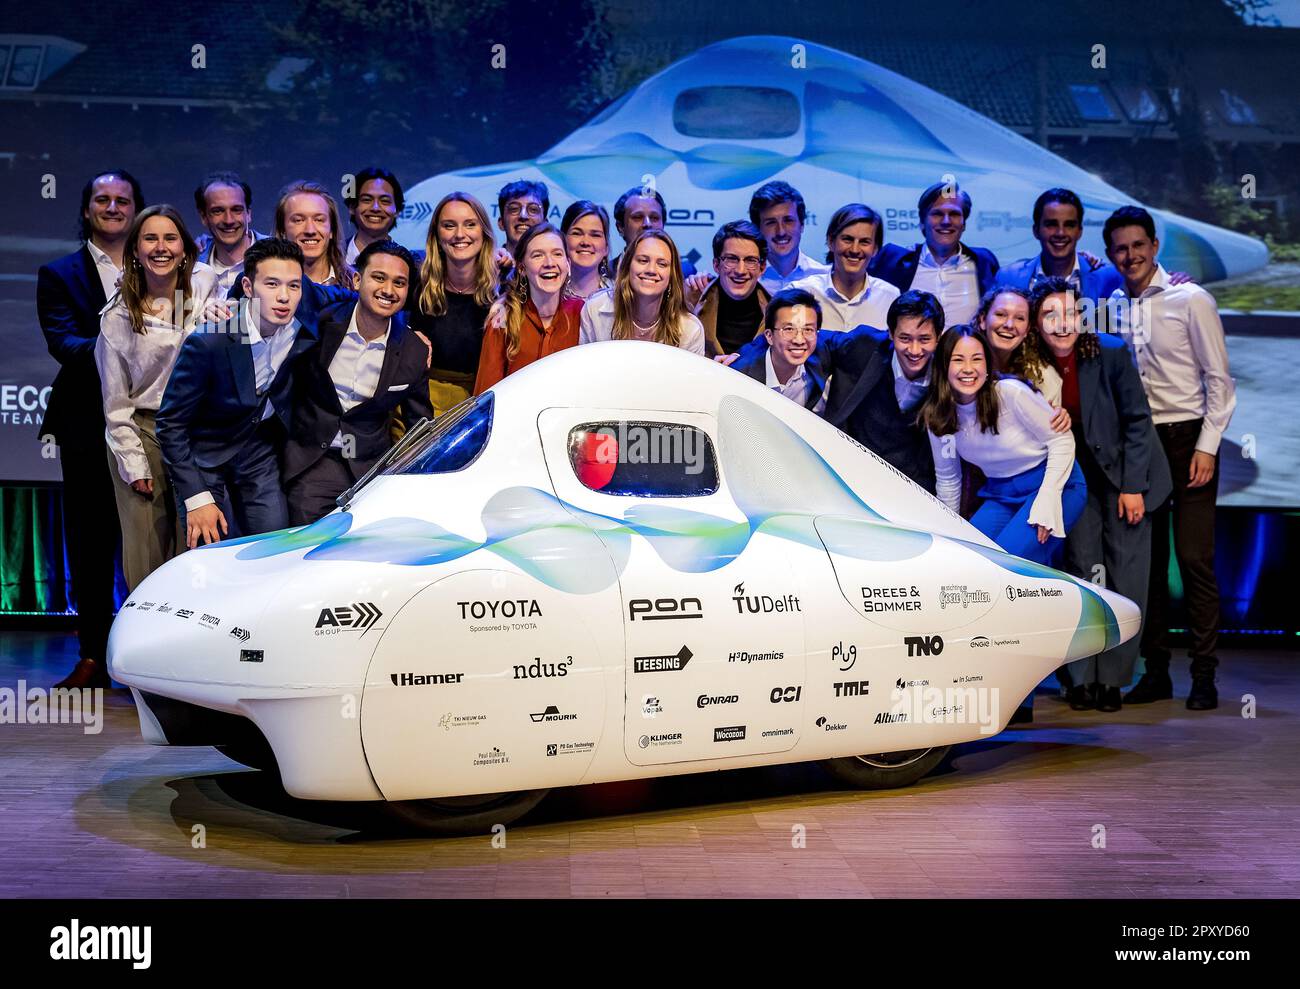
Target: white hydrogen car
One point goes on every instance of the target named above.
(669, 569)
(715, 125)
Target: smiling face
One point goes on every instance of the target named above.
(853, 248)
(383, 285)
(376, 209)
(111, 209)
(781, 228)
(160, 247)
(967, 369)
(650, 269)
(586, 243)
(738, 267)
(795, 336)
(460, 235)
(943, 225)
(1059, 230)
(1133, 253)
(1007, 322)
(275, 291)
(226, 214)
(640, 213)
(1058, 323)
(546, 263)
(915, 343)
(307, 224)
(520, 213)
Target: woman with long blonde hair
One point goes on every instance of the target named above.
(539, 318)
(163, 291)
(647, 300)
(458, 282)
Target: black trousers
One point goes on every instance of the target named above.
(1192, 512)
(93, 535)
(311, 494)
(247, 488)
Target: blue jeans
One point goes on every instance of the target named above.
(1004, 516)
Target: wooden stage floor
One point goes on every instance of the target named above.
(1192, 805)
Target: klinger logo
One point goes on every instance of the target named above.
(664, 609)
(923, 645)
(354, 618)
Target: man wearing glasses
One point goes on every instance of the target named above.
(790, 364)
(731, 305)
(520, 206)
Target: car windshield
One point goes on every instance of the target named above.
(452, 443)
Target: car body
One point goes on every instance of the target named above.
(713, 126)
(670, 570)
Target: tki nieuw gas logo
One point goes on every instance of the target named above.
(762, 604)
(348, 618)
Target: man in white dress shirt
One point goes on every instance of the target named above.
(778, 210)
(225, 206)
(1177, 338)
(373, 208)
(789, 364)
(849, 295)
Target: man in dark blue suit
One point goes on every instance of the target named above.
(789, 363)
(1125, 467)
(227, 406)
(70, 294)
(955, 274)
(1058, 226)
(366, 364)
(878, 380)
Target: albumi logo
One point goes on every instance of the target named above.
(762, 604)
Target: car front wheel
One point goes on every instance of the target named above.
(886, 770)
(464, 815)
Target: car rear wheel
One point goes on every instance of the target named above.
(886, 770)
(464, 815)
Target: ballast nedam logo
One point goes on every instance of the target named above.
(537, 670)
(662, 664)
(707, 700)
(1016, 593)
(22, 705)
(352, 618)
(423, 679)
(880, 599)
(762, 604)
(517, 608)
(961, 596)
(77, 943)
(664, 609)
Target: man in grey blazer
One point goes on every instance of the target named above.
(1125, 467)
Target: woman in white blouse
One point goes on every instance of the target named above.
(1004, 317)
(162, 293)
(1034, 489)
(646, 301)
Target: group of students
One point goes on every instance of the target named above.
(1067, 406)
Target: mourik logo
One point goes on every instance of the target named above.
(351, 618)
(552, 713)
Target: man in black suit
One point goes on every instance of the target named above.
(227, 406)
(878, 381)
(70, 293)
(789, 363)
(366, 362)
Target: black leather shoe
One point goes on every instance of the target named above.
(87, 673)
(1023, 716)
(1108, 699)
(1082, 697)
(1152, 687)
(1203, 696)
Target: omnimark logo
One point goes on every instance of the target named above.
(354, 618)
(77, 943)
(661, 664)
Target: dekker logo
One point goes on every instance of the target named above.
(762, 604)
(664, 609)
(352, 618)
(662, 664)
(829, 725)
(423, 679)
(735, 733)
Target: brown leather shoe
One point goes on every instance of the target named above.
(87, 673)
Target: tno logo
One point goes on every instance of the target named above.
(664, 609)
(781, 695)
(354, 618)
(762, 604)
(923, 645)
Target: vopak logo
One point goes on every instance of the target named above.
(242, 634)
(537, 669)
(762, 604)
(852, 688)
(664, 609)
(518, 608)
(707, 700)
(552, 713)
(662, 664)
(735, 733)
(423, 679)
(923, 645)
(353, 618)
(651, 706)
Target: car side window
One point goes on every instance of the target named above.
(644, 459)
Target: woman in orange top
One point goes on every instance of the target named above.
(538, 319)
